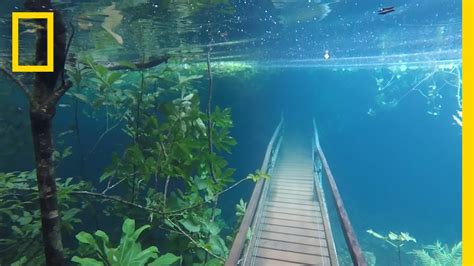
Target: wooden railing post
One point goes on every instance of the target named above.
(239, 241)
(351, 240)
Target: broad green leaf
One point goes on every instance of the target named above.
(128, 227)
(165, 260)
(22, 261)
(105, 239)
(139, 231)
(187, 79)
(113, 77)
(101, 70)
(106, 175)
(188, 97)
(86, 261)
(214, 262)
(86, 238)
(217, 245)
(144, 256)
(213, 228)
(190, 226)
(81, 97)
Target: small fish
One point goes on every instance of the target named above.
(386, 10)
(62, 105)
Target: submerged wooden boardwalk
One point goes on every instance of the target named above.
(286, 222)
(293, 228)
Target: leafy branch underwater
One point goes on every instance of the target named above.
(161, 177)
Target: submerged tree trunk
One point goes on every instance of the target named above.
(43, 99)
(50, 220)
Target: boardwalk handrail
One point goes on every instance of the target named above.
(349, 234)
(239, 241)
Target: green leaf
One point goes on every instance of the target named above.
(165, 260)
(106, 175)
(81, 97)
(86, 238)
(218, 245)
(129, 252)
(86, 261)
(139, 231)
(213, 228)
(113, 78)
(128, 226)
(22, 261)
(144, 256)
(187, 79)
(105, 239)
(214, 262)
(101, 70)
(190, 225)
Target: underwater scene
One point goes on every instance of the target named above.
(230, 132)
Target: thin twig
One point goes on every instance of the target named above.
(56, 96)
(415, 87)
(194, 241)
(210, 199)
(209, 113)
(66, 53)
(17, 81)
(104, 134)
(109, 187)
(116, 199)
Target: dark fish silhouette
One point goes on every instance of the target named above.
(386, 10)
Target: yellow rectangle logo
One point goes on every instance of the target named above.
(16, 17)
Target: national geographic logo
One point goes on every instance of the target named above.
(16, 17)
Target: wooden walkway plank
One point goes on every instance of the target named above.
(294, 231)
(291, 227)
(292, 257)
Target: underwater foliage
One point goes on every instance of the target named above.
(395, 240)
(439, 255)
(20, 221)
(168, 148)
(128, 252)
(429, 83)
(164, 173)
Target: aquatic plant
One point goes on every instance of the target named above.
(128, 252)
(397, 241)
(20, 219)
(439, 255)
(172, 143)
(429, 83)
(170, 171)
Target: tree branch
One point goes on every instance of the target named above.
(105, 133)
(56, 96)
(194, 241)
(17, 81)
(116, 199)
(209, 113)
